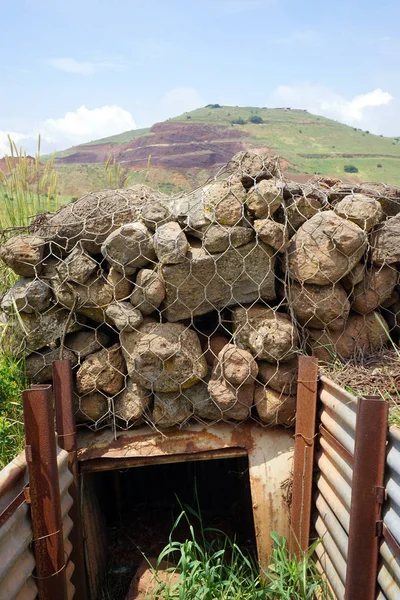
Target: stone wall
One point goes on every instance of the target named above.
(197, 306)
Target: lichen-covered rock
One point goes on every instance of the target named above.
(90, 299)
(319, 306)
(129, 247)
(362, 336)
(264, 199)
(149, 291)
(29, 332)
(325, 249)
(385, 242)
(362, 210)
(94, 216)
(273, 234)
(102, 371)
(77, 266)
(131, 403)
(121, 285)
(234, 403)
(170, 244)
(376, 287)
(237, 366)
(224, 202)
(208, 282)
(86, 342)
(163, 357)
(250, 168)
(281, 377)
(275, 408)
(124, 316)
(27, 295)
(91, 408)
(218, 238)
(170, 409)
(267, 334)
(39, 365)
(23, 254)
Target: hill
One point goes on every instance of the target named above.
(184, 151)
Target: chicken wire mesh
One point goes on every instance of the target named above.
(197, 306)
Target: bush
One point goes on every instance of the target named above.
(379, 166)
(256, 119)
(213, 106)
(188, 117)
(238, 121)
(350, 169)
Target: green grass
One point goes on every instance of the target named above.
(12, 382)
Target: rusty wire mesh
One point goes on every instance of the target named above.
(197, 306)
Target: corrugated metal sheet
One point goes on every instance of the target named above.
(333, 497)
(389, 570)
(17, 561)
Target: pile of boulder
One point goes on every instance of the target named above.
(198, 306)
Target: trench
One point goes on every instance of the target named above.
(130, 514)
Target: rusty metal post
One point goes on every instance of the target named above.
(366, 498)
(306, 411)
(66, 429)
(47, 526)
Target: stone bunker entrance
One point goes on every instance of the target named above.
(238, 474)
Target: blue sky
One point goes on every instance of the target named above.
(76, 70)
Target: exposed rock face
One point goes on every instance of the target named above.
(132, 402)
(103, 371)
(27, 295)
(280, 377)
(77, 267)
(205, 283)
(23, 254)
(170, 244)
(267, 334)
(320, 306)
(325, 249)
(170, 409)
(275, 408)
(39, 365)
(124, 316)
(224, 202)
(385, 242)
(83, 343)
(149, 291)
(129, 247)
(264, 199)
(163, 357)
(93, 217)
(218, 238)
(273, 234)
(376, 287)
(361, 210)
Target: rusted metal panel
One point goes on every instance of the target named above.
(306, 412)
(369, 465)
(389, 570)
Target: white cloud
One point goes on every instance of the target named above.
(16, 137)
(86, 124)
(84, 67)
(179, 100)
(364, 110)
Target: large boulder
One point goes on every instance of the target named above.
(361, 210)
(27, 295)
(376, 287)
(300, 209)
(213, 346)
(385, 242)
(363, 335)
(122, 286)
(281, 377)
(201, 404)
(103, 371)
(205, 283)
(77, 266)
(224, 202)
(149, 291)
(250, 168)
(93, 217)
(39, 365)
(170, 244)
(163, 357)
(90, 299)
(275, 408)
(319, 306)
(218, 238)
(24, 254)
(131, 403)
(238, 366)
(170, 409)
(129, 247)
(91, 408)
(234, 403)
(264, 199)
(273, 234)
(325, 249)
(267, 334)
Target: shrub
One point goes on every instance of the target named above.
(188, 117)
(213, 106)
(379, 166)
(238, 121)
(255, 119)
(350, 169)
(367, 131)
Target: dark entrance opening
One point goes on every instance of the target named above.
(135, 510)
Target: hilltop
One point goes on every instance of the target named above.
(184, 151)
